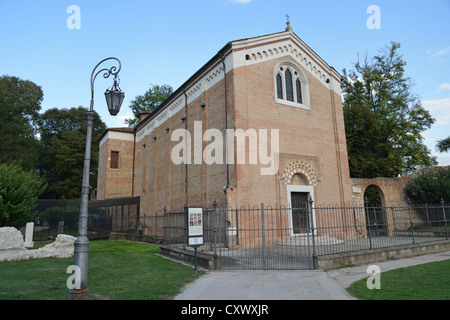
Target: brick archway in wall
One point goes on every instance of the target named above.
(391, 188)
(379, 190)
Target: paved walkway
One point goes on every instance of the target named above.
(289, 285)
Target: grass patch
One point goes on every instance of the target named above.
(118, 270)
(430, 281)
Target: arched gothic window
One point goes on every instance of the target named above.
(291, 85)
(279, 87)
(299, 90)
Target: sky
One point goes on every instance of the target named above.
(165, 42)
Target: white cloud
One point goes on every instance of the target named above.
(241, 1)
(438, 55)
(442, 51)
(439, 109)
(443, 87)
(119, 120)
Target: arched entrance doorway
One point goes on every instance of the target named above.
(299, 192)
(375, 210)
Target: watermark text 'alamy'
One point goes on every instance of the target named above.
(223, 151)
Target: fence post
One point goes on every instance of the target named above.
(445, 218)
(263, 236)
(185, 219)
(411, 222)
(393, 220)
(215, 234)
(142, 225)
(428, 217)
(165, 226)
(366, 209)
(156, 225)
(311, 220)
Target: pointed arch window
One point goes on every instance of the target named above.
(291, 85)
(298, 86)
(279, 87)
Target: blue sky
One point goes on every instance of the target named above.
(165, 42)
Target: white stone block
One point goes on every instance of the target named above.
(12, 246)
(29, 230)
(10, 238)
(62, 248)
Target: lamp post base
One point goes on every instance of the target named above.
(80, 259)
(79, 294)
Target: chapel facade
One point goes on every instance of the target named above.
(260, 122)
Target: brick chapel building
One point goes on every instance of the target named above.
(274, 82)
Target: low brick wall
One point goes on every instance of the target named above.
(334, 261)
(203, 260)
(135, 237)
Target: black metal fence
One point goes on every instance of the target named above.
(104, 216)
(355, 228)
(272, 238)
(56, 217)
(260, 237)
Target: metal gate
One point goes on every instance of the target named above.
(262, 238)
(258, 238)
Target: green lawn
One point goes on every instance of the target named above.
(429, 281)
(117, 270)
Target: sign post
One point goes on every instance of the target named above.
(195, 229)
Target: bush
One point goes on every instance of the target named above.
(430, 187)
(19, 191)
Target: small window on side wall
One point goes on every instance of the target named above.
(114, 163)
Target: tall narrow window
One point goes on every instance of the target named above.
(299, 91)
(289, 89)
(279, 87)
(114, 164)
(291, 85)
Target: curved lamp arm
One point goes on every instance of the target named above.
(107, 72)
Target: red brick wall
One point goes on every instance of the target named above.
(114, 183)
(315, 137)
(391, 189)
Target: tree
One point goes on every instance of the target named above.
(63, 139)
(384, 118)
(19, 191)
(149, 101)
(443, 145)
(430, 187)
(20, 103)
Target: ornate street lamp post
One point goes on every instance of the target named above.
(114, 99)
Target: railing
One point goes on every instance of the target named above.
(356, 228)
(260, 237)
(263, 237)
(55, 217)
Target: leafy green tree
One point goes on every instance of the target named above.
(149, 101)
(19, 191)
(63, 140)
(430, 187)
(20, 103)
(443, 145)
(384, 118)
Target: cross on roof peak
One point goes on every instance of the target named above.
(288, 23)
